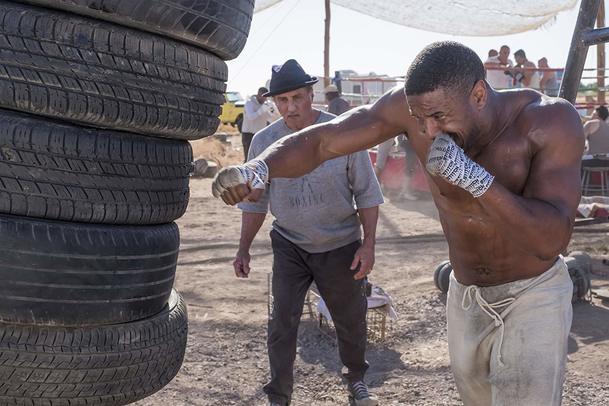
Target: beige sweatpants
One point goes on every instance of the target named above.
(508, 343)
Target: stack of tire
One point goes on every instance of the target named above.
(97, 101)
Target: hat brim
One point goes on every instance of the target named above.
(286, 89)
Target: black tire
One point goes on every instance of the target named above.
(444, 279)
(584, 260)
(98, 74)
(71, 274)
(580, 278)
(102, 365)
(437, 272)
(442, 276)
(60, 172)
(219, 26)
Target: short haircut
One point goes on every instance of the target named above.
(445, 64)
(504, 47)
(602, 112)
(521, 53)
(262, 90)
(492, 52)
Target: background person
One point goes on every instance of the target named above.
(525, 72)
(316, 237)
(256, 115)
(548, 83)
(336, 104)
(596, 131)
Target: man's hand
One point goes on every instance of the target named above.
(448, 161)
(242, 182)
(364, 257)
(242, 264)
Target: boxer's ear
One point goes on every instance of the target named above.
(479, 94)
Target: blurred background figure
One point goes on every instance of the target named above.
(525, 73)
(258, 113)
(411, 165)
(597, 132)
(336, 104)
(495, 75)
(548, 83)
(384, 151)
(506, 63)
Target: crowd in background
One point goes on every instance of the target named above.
(503, 73)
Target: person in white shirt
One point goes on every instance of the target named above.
(495, 71)
(525, 72)
(258, 114)
(498, 68)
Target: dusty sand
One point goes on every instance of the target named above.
(226, 360)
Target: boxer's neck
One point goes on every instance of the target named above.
(497, 117)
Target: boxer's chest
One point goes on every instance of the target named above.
(507, 158)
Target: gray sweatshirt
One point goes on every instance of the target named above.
(318, 211)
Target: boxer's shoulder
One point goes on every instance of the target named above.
(541, 110)
(545, 119)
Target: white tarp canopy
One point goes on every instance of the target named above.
(457, 17)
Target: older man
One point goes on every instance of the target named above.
(316, 237)
(504, 171)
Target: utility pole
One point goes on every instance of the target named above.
(327, 45)
(600, 56)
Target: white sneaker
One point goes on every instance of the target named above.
(360, 396)
(407, 196)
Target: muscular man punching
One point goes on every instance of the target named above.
(504, 174)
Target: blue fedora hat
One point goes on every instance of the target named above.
(287, 77)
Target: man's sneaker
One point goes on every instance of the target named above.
(407, 196)
(360, 395)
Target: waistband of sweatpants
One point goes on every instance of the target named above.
(515, 288)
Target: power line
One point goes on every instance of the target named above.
(265, 40)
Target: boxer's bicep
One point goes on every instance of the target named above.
(370, 125)
(554, 175)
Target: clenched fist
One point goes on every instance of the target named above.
(447, 160)
(241, 182)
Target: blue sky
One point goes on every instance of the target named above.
(294, 29)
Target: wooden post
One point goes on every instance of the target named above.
(600, 56)
(327, 45)
(588, 11)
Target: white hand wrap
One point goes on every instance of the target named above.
(254, 173)
(447, 160)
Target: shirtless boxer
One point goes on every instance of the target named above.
(504, 174)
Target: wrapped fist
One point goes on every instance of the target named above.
(448, 161)
(237, 179)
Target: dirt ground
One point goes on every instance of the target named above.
(226, 360)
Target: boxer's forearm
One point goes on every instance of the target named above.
(537, 226)
(297, 154)
(301, 152)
